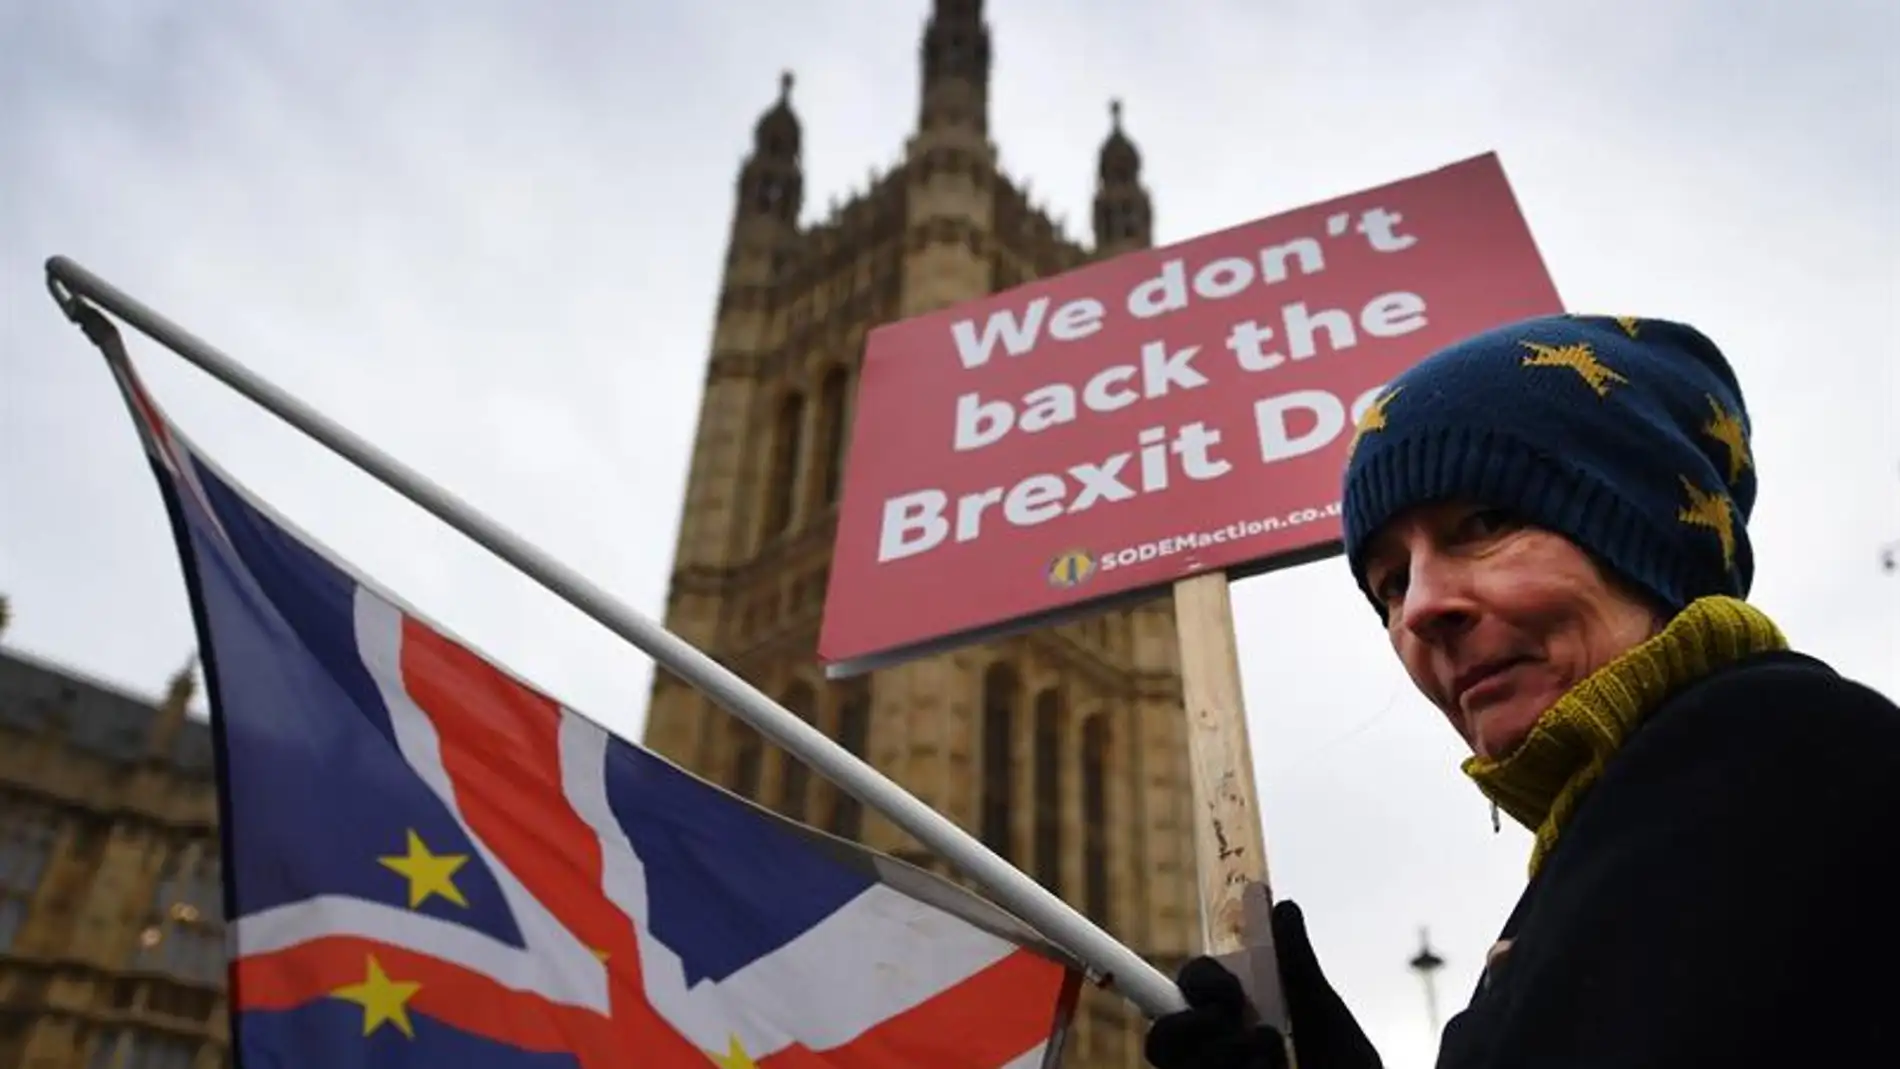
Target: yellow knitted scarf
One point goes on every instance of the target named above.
(1542, 782)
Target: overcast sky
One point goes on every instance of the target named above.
(488, 235)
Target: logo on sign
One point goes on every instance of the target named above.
(1071, 567)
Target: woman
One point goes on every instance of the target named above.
(1550, 518)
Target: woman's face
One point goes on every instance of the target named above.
(1493, 619)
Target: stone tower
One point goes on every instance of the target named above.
(1065, 749)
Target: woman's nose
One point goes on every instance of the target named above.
(1438, 600)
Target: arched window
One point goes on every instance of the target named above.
(747, 748)
(788, 431)
(1095, 817)
(854, 734)
(792, 786)
(1001, 694)
(833, 397)
(1047, 762)
(184, 933)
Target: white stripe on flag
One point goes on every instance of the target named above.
(823, 988)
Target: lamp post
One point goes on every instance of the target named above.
(1890, 557)
(1427, 963)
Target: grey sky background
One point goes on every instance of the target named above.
(488, 235)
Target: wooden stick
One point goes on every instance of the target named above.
(1229, 844)
(1230, 847)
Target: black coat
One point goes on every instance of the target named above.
(1726, 896)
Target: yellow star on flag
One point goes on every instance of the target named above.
(383, 1000)
(428, 874)
(1711, 511)
(1578, 357)
(735, 1056)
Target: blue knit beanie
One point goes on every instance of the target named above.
(1627, 436)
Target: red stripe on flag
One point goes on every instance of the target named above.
(146, 412)
(983, 1024)
(984, 1021)
(469, 1001)
(500, 745)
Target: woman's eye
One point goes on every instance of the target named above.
(1486, 522)
(1390, 588)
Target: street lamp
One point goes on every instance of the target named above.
(1427, 963)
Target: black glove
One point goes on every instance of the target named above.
(1213, 1033)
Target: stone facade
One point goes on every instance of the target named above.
(1064, 749)
(111, 945)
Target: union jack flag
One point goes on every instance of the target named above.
(430, 863)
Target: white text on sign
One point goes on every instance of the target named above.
(1285, 426)
(922, 520)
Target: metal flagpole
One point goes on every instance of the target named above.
(1120, 967)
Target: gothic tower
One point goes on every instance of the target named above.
(1064, 749)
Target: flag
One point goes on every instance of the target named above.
(430, 863)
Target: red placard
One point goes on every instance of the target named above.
(1169, 412)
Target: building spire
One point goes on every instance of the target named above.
(778, 134)
(182, 687)
(1124, 216)
(772, 181)
(1120, 163)
(170, 720)
(956, 66)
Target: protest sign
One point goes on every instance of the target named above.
(1171, 412)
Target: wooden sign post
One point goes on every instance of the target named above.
(1229, 843)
